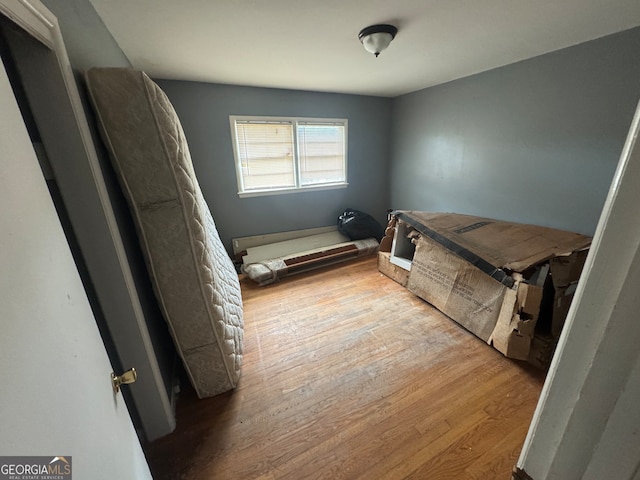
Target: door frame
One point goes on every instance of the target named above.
(57, 393)
(152, 398)
(585, 424)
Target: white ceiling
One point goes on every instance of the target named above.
(313, 44)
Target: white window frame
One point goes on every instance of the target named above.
(242, 193)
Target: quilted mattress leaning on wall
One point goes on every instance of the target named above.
(193, 277)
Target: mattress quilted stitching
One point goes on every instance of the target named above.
(205, 317)
(223, 288)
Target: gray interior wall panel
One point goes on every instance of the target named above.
(536, 141)
(89, 43)
(204, 111)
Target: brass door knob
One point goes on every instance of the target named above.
(127, 377)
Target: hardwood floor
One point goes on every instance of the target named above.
(347, 375)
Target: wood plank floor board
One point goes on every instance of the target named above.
(452, 417)
(499, 458)
(461, 451)
(347, 375)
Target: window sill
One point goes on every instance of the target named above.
(263, 193)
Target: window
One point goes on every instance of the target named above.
(281, 155)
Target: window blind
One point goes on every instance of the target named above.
(321, 153)
(265, 151)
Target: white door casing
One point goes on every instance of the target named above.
(587, 421)
(54, 371)
(138, 332)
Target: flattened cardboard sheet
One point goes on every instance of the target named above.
(456, 287)
(506, 245)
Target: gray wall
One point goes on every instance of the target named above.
(88, 41)
(535, 142)
(90, 44)
(204, 111)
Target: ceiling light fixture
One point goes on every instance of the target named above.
(376, 38)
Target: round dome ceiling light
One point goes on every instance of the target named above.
(377, 38)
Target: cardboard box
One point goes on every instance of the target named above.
(494, 278)
(542, 350)
(391, 270)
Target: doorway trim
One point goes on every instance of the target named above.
(585, 426)
(133, 342)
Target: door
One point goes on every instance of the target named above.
(95, 211)
(56, 397)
